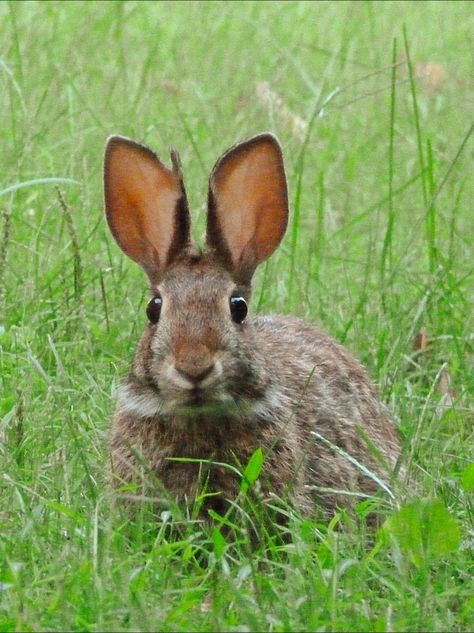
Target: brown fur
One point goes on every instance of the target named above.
(273, 382)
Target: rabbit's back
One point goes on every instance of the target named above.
(320, 384)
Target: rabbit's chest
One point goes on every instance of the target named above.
(198, 456)
(202, 440)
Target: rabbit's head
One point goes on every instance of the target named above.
(197, 350)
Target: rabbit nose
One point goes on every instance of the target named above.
(195, 375)
(193, 360)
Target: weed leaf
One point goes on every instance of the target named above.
(252, 470)
(467, 478)
(424, 531)
(219, 543)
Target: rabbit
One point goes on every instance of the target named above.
(211, 383)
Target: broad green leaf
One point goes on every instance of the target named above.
(467, 478)
(424, 531)
(219, 543)
(252, 470)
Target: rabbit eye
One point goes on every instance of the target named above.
(153, 309)
(238, 308)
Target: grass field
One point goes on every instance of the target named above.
(373, 105)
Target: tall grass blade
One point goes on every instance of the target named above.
(387, 242)
(318, 110)
(355, 462)
(5, 240)
(430, 222)
(38, 181)
(76, 251)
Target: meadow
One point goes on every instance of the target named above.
(373, 103)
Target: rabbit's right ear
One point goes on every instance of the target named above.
(145, 204)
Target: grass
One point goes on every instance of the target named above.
(379, 253)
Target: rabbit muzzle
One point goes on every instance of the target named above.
(193, 373)
(194, 377)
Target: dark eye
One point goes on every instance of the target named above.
(153, 309)
(238, 308)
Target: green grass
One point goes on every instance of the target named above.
(380, 250)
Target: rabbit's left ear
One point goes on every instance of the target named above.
(247, 204)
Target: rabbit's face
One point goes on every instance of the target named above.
(201, 354)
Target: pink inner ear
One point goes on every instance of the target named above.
(238, 227)
(249, 189)
(141, 196)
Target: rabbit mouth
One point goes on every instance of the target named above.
(200, 397)
(198, 405)
(196, 397)
(213, 402)
(218, 404)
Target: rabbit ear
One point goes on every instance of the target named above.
(248, 204)
(145, 204)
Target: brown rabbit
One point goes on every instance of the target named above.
(209, 382)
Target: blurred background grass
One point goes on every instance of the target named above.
(380, 249)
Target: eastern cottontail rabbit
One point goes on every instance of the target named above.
(209, 382)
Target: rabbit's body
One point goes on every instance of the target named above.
(265, 397)
(211, 386)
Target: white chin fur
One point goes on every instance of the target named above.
(144, 405)
(271, 406)
(148, 404)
